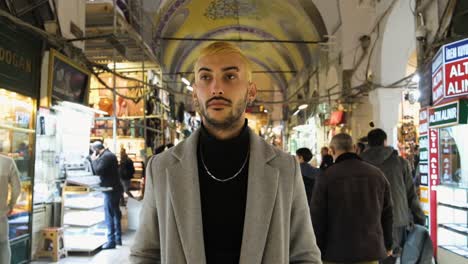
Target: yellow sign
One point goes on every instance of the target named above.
(424, 199)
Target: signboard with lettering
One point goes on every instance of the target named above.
(423, 122)
(437, 76)
(19, 60)
(450, 71)
(433, 180)
(424, 193)
(423, 159)
(434, 156)
(448, 114)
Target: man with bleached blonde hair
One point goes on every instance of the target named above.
(224, 195)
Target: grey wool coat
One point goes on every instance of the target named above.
(277, 225)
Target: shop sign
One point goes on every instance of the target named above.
(424, 199)
(19, 60)
(423, 153)
(448, 114)
(437, 77)
(424, 158)
(424, 146)
(434, 156)
(433, 181)
(423, 122)
(446, 158)
(456, 69)
(450, 71)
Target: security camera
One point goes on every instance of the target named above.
(421, 33)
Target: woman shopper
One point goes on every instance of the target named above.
(126, 171)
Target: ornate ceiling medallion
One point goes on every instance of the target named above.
(225, 9)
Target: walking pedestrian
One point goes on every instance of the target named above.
(351, 208)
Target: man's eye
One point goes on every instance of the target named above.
(231, 77)
(204, 77)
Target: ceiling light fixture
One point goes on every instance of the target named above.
(303, 106)
(185, 81)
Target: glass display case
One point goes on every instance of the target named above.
(85, 229)
(452, 194)
(17, 141)
(46, 184)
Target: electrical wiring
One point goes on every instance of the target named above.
(373, 86)
(61, 44)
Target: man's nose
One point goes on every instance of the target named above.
(216, 88)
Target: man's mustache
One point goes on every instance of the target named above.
(218, 98)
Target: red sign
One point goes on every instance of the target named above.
(434, 156)
(336, 118)
(456, 78)
(433, 182)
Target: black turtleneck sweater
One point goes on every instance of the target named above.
(223, 203)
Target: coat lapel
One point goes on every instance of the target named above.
(261, 195)
(185, 197)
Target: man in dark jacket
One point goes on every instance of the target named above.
(398, 173)
(105, 165)
(309, 173)
(351, 208)
(327, 159)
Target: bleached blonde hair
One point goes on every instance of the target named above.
(225, 48)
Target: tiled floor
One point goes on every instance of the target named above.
(112, 256)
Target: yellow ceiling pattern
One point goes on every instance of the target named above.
(239, 19)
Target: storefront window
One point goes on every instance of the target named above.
(16, 141)
(452, 145)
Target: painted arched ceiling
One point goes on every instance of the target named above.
(268, 20)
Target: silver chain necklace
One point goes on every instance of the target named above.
(230, 178)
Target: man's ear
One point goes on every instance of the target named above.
(194, 94)
(332, 151)
(252, 92)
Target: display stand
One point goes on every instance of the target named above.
(85, 229)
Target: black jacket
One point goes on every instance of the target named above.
(106, 167)
(126, 169)
(351, 211)
(398, 173)
(309, 174)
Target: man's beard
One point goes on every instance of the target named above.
(236, 113)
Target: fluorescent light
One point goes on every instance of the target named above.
(415, 78)
(303, 106)
(82, 108)
(297, 112)
(190, 88)
(185, 81)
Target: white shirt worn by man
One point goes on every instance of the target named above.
(10, 188)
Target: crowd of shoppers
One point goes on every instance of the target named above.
(364, 202)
